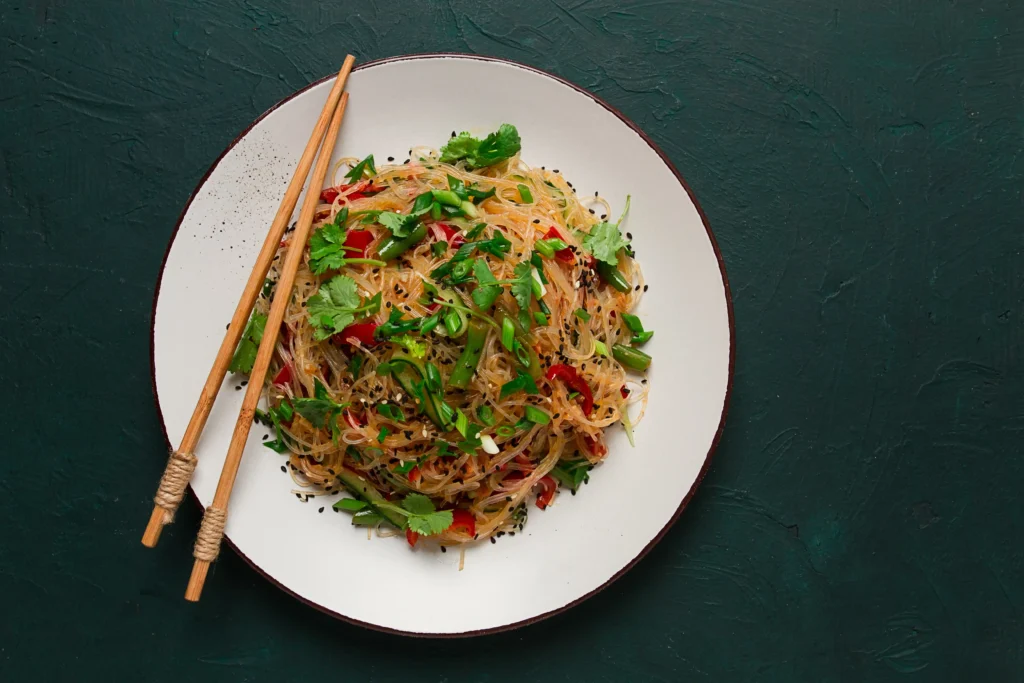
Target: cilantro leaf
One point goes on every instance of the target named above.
(364, 167)
(333, 308)
(522, 284)
(422, 517)
(399, 225)
(418, 504)
(319, 410)
(487, 290)
(245, 354)
(604, 242)
(326, 250)
(500, 145)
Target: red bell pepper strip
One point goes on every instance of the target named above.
(465, 521)
(358, 240)
(452, 235)
(284, 375)
(548, 487)
(595, 446)
(572, 379)
(363, 332)
(563, 255)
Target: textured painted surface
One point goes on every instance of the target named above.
(861, 165)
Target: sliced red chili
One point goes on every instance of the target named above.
(411, 536)
(624, 390)
(547, 486)
(414, 474)
(564, 255)
(360, 240)
(362, 332)
(329, 195)
(284, 375)
(463, 520)
(572, 379)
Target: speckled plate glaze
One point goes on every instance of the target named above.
(580, 544)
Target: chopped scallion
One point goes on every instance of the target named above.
(485, 415)
(582, 314)
(536, 415)
(508, 332)
(525, 193)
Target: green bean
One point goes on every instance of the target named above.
(613, 276)
(393, 248)
(362, 488)
(630, 357)
(465, 366)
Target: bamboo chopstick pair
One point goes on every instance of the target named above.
(183, 461)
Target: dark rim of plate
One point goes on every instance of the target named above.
(725, 403)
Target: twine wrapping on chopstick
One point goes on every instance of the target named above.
(173, 483)
(211, 531)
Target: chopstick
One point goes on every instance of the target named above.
(212, 529)
(182, 462)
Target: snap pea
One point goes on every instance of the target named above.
(465, 366)
(393, 248)
(613, 276)
(362, 488)
(630, 357)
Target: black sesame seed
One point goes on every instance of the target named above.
(283, 469)
(391, 158)
(492, 540)
(646, 287)
(320, 510)
(629, 235)
(443, 549)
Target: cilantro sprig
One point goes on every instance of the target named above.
(335, 306)
(245, 354)
(604, 240)
(321, 410)
(500, 145)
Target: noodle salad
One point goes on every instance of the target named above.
(458, 340)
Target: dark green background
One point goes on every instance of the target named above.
(861, 165)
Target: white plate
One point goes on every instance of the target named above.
(583, 542)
